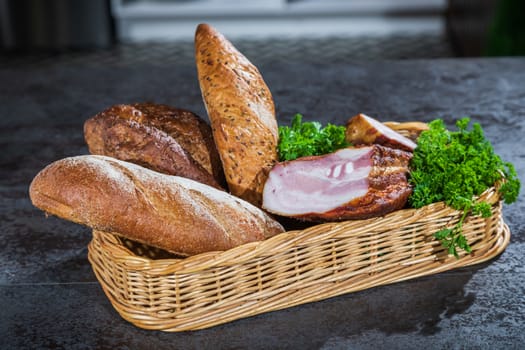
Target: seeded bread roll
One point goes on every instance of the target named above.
(169, 212)
(241, 110)
(163, 138)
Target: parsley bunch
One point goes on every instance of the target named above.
(454, 167)
(309, 139)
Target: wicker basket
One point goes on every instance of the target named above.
(155, 291)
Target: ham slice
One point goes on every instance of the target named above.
(363, 130)
(351, 183)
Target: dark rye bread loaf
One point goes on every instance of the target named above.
(241, 111)
(169, 212)
(163, 138)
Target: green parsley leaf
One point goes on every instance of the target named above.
(454, 167)
(309, 139)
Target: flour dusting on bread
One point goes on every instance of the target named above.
(165, 211)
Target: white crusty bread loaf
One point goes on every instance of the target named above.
(169, 212)
(241, 111)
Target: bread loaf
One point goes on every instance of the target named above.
(241, 110)
(159, 137)
(169, 212)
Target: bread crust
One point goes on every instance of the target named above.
(169, 212)
(163, 138)
(241, 111)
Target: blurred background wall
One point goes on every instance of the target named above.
(56, 24)
(467, 27)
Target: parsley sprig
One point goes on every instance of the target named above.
(309, 139)
(454, 167)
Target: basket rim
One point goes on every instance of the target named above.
(145, 320)
(318, 232)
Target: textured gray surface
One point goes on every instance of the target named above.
(318, 50)
(50, 297)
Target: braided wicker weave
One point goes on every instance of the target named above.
(155, 290)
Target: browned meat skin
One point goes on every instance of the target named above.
(364, 130)
(388, 189)
(165, 139)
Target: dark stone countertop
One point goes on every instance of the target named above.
(51, 299)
